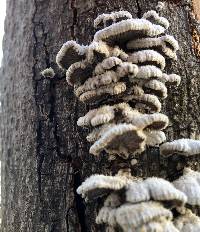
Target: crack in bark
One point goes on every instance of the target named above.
(40, 159)
(52, 97)
(53, 119)
(74, 17)
(67, 217)
(80, 207)
(139, 12)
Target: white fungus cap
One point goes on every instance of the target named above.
(189, 184)
(103, 19)
(155, 18)
(98, 185)
(130, 216)
(127, 30)
(122, 139)
(188, 222)
(70, 53)
(184, 147)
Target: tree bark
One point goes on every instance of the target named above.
(44, 154)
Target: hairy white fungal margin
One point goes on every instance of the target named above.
(105, 20)
(155, 18)
(125, 30)
(70, 53)
(184, 147)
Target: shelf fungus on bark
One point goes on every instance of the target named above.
(156, 87)
(96, 94)
(156, 189)
(148, 72)
(98, 132)
(126, 30)
(107, 64)
(189, 184)
(48, 73)
(140, 216)
(184, 147)
(122, 112)
(172, 79)
(149, 57)
(135, 216)
(187, 222)
(154, 17)
(105, 20)
(106, 214)
(146, 101)
(94, 83)
(99, 185)
(146, 206)
(70, 53)
(98, 51)
(122, 139)
(78, 72)
(166, 45)
(154, 137)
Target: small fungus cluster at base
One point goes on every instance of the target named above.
(121, 77)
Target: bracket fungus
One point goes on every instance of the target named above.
(167, 45)
(154, 138)
(105, 20)
(122, 139)
(147, 57)
(184, 147)
(121, 76)
(187, 222)
(70, 53)
(189, 184)
(156, 189)
(126, 30)
(154, 17)
(99, 185)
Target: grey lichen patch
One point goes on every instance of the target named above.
(48, 73)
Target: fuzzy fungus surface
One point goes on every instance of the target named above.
(121, 77)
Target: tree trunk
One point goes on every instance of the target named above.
(44, 154)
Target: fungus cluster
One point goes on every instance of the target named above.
(124, 64)
(121, 77)
(133, 204)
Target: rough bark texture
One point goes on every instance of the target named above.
(44, 154)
